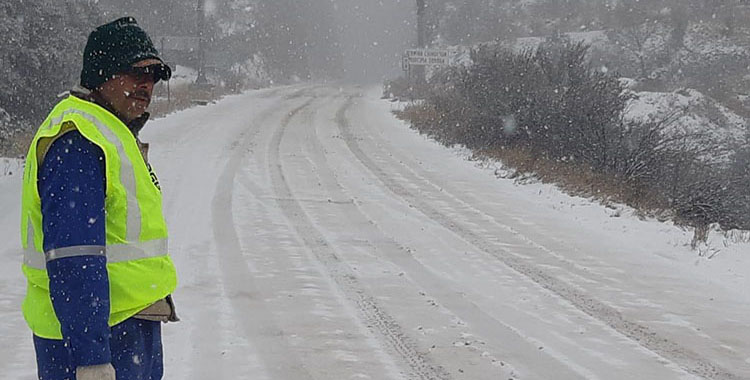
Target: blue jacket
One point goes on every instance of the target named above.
(71, 185)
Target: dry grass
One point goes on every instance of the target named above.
(417, 115)
(181, 97)
(18, 144)
(580, 180)
(573, 178)
(424, 118)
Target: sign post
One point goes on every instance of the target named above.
(419, 71)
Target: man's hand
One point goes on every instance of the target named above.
(96, 372)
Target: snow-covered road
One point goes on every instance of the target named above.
(316, 237)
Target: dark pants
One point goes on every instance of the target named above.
(136, 353)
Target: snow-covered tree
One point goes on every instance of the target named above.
(40, 54)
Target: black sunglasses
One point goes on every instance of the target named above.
(150, 70)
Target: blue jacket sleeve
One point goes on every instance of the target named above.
(72, 186)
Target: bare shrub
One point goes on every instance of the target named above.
(547, 112)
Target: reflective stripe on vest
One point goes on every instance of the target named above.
(75, 251)
(115, 253)
(127, 172)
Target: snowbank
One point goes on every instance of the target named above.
(690, 113)
(183, 75)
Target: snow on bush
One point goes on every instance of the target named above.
(251, 73)
(6, 129)
(690, 113)
(678, 152)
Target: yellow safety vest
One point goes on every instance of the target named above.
(139, 267)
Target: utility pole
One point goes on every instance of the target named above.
(421, 27)
(201, 44)
(419, 71)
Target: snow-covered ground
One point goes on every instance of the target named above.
(317, 237)
(688, 112)
(694, 113)
(183, 76)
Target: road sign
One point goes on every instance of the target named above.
(427, 57)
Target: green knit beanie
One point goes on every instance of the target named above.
(113, 48)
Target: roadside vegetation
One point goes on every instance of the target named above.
(547, 113)
(248, 44)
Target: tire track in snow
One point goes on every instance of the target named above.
(642, 335)
(199, 121)
(238, 282)
(206, 292)
(420, 366)
(424, 280)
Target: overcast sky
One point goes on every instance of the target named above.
(374, 35)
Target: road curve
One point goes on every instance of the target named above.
(318, 238)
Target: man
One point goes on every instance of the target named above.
(94, 236)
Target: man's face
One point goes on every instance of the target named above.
(129, 93)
